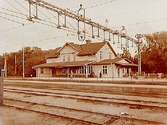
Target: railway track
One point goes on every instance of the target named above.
(73, 114)
(77, 117)
(85, 115)
(97, 98)
(97, 88)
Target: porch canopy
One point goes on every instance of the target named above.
(63, 64)
(116, 61)
(126, 64)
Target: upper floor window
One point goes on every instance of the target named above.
(105, 69)
(68, 58)
(64, 58)
(110, 55)
(74, 57)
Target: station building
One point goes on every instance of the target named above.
(91, 59)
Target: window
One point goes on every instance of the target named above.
(101, 54)
(42, 70)
(128, 71)
(68, 58)
(90, 70)
(110, 55)
(82, 69)
(118, 72)
(105, 70)
(64, 59)
(74, 58)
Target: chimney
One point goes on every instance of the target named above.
(88, 41)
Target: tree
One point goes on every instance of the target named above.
(154, 56)
(33, 56)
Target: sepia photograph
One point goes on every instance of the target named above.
(83, 62)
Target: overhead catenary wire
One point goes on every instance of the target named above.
(41, 12)
(11, 20)
(99, 4)
(12, 11)
(10, 4)
(24, 18)
(4, 13)
(15, 28)
(44, 39)
(21, 4)
(64, 12)
(53, 24)
(146, 22)
(58, 25)
(41, 21)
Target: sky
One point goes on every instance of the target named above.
(138, 16)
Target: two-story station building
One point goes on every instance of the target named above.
(91, 59)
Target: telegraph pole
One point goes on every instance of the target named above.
(1, 87)
(23, 60)
(139, 42)
(15, 63)
(5, 66)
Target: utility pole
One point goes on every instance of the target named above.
(139, 42)
(5, 66)
(1, 87)
(23, 60)
(15, 63)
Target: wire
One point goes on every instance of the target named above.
(12, 5)
(18, 2)
(53, 16)
(9, 10)
(4, 13)
(42, 21)
(52, 24)
(147, 22)
(94, 6)
(14, 28)
(100, 4)
(11, 20)
(41, 11)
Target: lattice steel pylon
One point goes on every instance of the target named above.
(80, 19)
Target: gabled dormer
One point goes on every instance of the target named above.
(105, 52)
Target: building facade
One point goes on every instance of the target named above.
(92, 59)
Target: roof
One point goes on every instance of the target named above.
(93, 48)
(90, 48)
(115, 61)
(53, 53)
(127, 64)
(86, 49)
(108, 61)
(62, 64)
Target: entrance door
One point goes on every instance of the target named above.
(53, 72)
(118, 72)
